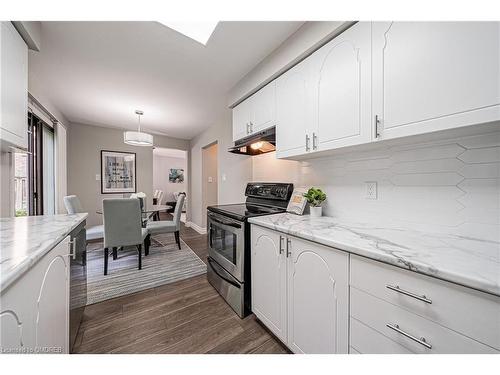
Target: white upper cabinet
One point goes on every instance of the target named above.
(14, 87)
(256, 113)
(269, 279)
(342, 81)
(318, 298)
(264, 108)
(294, 114)
(241, 120)
(430, 76)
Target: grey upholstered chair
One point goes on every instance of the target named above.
(73, 206)
(169, 226)
(123, 227)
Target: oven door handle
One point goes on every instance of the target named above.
(234, 225)
(222, 277)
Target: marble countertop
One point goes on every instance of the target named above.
(25, 240)
(471, 262)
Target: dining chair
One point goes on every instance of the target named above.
(73, 206)
(123, 227)
(169, 226)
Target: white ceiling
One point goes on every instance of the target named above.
(98, 73)
(170, 152)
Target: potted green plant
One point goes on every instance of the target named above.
(315, 197)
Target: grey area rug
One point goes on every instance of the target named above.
(165, 264)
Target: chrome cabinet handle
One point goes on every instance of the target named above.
(421, 340)
(409, 294)
(281, 244)
(248, 128)
(307, 142)
(288, 246)
(72, 248)
(315, 141)
(251, 127)
(377, 124)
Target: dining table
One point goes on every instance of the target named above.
(150, 210)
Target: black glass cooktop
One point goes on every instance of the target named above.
(244, 210)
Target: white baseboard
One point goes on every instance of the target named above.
(196, 227)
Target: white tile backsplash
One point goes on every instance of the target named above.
(450, 186)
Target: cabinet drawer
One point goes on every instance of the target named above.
(366, 340)
(472, 313)
(432, 337)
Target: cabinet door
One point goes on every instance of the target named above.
(241, 119)
(14, 87)
(52, 319)
(268, 277)
(342, 76)
(294, 112)
(264, 108)
(318, 311)
(34, 314)
(430, 76)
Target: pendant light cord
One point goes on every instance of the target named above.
(139, 123)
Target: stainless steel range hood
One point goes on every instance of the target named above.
(256, 144)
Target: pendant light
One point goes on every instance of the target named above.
(138, 138)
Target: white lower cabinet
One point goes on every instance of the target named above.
(318, 298)
(398, 311)
(34, 310)
(300, 291)
(269, 280)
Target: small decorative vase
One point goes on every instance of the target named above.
(316, 211)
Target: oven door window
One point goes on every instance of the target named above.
(223, 242)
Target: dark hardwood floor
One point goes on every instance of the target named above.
(187, 316)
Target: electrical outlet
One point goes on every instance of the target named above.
(371, 190)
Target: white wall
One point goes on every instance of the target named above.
(85, 143)
(237, 169)
(161, 169)
(450, 186)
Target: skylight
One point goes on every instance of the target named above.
(199, 31)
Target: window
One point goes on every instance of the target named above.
(21, 184)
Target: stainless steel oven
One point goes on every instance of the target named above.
(229, 240)
(226, 243)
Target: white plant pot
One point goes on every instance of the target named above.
(316, 211)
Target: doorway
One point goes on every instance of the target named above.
(209, 178)
(170, 176)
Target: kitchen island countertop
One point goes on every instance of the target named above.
(25, 240)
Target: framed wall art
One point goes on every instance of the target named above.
(118, 172)
(176, 175)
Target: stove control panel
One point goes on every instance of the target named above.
(266, 190)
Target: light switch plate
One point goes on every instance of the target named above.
(210, 179)
(98, 177)
(371, 190)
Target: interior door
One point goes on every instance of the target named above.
(318, 304)
(430, 76)
(264, 108)
(268, 275)
(342, 76)
(294, 113)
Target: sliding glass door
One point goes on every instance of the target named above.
(35, 171)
